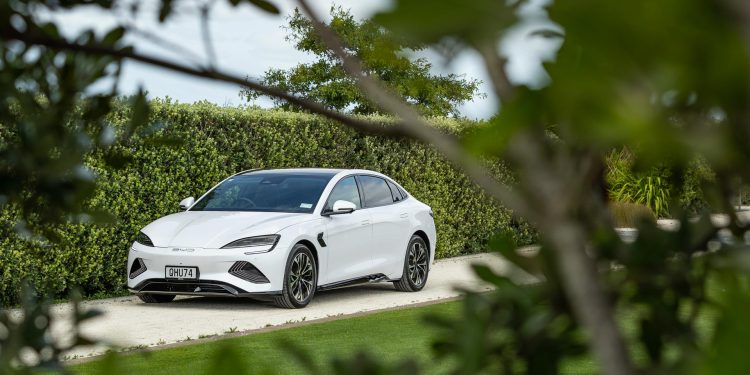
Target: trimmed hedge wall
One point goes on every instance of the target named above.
(217, 142)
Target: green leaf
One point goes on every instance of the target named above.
(487, 274)
(165, 10)
(113, 36)
(472, 21)
(265, 5)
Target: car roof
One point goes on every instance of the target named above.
(327, 172)
(330, 172)
(296, 171)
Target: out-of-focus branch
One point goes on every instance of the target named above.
(582, 283)
(557, 186)
(741, 8)
(157, 40)
(206, 32)
(495, 65)
(447, 144)
(395, 130)
(413, 124)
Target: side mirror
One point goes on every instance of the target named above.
(341, 207)
(186, 203)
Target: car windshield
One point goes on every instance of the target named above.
(267, 192)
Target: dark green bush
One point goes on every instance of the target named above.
(221, 141)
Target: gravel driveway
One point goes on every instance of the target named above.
(127, 322)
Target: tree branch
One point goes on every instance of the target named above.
(557, 186)
(206, 32)
(496, 68)
(395, 130)
(582, 282)
(413, 124)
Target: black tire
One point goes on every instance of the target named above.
(416, 266)
(156, 298)
(300, 279)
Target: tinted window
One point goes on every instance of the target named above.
(269, 192)
(345, 190)
(376, 191)
(394, 192)
(403, 193)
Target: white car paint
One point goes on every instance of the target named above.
(368, 241)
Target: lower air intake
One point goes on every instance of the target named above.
(137, 268)
(248, 272)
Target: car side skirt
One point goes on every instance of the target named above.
(374, 278)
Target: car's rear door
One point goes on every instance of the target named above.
(390, 224)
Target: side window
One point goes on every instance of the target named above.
(394, 192)
(403, 193)
(345, 190)
(376, 190)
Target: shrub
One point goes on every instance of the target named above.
(651, 189)
(657, 187)
(217, 142)
(692, 197)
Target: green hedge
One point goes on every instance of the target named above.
(220, 141)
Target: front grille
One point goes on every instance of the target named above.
(248, 272)
(189, 287)
(137, 268)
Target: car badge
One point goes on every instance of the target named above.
(186, 249)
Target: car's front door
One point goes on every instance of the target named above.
(347, 236)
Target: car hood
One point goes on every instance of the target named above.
(214, 229)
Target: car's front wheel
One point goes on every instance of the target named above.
(156, 298)
(416, 266)
(300, 279)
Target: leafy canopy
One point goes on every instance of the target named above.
(382, 53)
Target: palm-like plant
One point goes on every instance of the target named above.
(651, 189)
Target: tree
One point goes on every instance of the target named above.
(382, 54)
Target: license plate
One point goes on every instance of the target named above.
(181, 273)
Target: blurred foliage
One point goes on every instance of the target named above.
(668, 78)
(509, 330)
(383, 54)
(41, 169)
(627, 214)
(25, 340)
(218, 142)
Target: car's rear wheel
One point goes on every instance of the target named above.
(156, 298)
(416, 266)
(300, 279)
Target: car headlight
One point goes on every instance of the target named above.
(143, 239)
(266, 240)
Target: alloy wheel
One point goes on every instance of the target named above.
(301, 277)
(417, 263)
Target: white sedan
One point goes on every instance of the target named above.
(284, 234)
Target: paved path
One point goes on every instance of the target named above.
(127, 322)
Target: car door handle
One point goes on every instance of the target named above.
(365, 222)
(404, 215)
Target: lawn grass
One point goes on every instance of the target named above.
(391, 336)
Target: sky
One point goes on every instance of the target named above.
(247, 42)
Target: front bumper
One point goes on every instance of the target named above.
(197, 288)
(216, 275)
